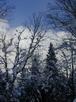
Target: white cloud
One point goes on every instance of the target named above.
(4, 26)
(55, 38)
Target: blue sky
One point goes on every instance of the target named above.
(25, 8)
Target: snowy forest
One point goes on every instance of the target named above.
(35, 65)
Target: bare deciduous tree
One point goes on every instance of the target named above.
(63, 15)
(13, 58)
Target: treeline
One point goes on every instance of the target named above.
(34, 85)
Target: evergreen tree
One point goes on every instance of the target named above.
(51, 61)
(54, 87)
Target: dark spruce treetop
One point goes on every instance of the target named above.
(51, 54)
(51, 60)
